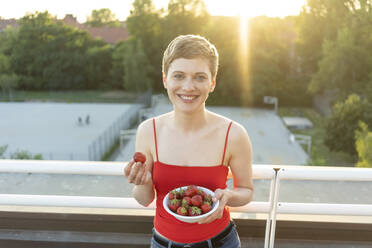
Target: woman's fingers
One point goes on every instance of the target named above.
(128, 168)
(136, 173)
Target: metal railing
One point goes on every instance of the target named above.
(267, 172)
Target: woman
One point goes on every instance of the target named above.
(192, 146)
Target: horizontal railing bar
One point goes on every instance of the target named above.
(62, 167)
(91, 168)
(102, 202)
(324, 209)
(325, 173)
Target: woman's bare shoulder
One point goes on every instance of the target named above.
(147, 125)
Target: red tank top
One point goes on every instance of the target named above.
(167, 177)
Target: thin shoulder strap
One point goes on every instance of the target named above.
(224, 149)
(156, 146)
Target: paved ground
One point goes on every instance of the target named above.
(52, 129)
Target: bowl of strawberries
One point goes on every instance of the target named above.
(190, 203)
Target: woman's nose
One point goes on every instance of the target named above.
(188, 84)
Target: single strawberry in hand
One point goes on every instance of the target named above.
(139, 157)
(206, 207)
(194, 211)
(174, 204)
(197, 200)
(182, 211)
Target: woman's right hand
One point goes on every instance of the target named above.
(137, 173)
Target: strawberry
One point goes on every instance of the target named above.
(202, 193)
(139, 157)
(206, 207)
(172, 195)
(174, 204)
(186, 202)
(182, 211)
(194, 211)
(208, 198)
(191, 191)
(197, 200)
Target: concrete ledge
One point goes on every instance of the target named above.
(61, 229)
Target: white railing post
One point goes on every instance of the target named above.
(269, 215)
(274, 210)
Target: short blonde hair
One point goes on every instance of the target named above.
(190, 47)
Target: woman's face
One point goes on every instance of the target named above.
(188, 83)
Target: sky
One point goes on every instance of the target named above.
(121, 8)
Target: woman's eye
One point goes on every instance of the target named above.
(200, 78)
(178, 76)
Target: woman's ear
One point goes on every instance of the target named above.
(164, 80)
(213, 85)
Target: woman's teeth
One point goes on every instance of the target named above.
(187, 97)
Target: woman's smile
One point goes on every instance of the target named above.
(187, 98)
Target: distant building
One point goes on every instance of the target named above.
(110, 35)
(4, 23)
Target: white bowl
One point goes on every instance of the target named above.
(191, 219)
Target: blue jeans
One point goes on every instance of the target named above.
(231, 240)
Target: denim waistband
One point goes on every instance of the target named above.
(214, 240)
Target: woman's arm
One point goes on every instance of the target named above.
(240, 162)
(141, 174)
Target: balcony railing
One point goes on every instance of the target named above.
(268, 172)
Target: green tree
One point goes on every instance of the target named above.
(98, 66)
(184, 17)
(318, 20)
(136, 67)
(117, 69)
(363, 145)
(50, 55)
(341, 126)
(344, 65)
(8, 79)
(103, 17)
(143, 25)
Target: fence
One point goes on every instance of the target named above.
(272, 207)
(107, 138)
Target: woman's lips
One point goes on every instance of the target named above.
(187, 98)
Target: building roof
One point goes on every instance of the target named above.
(109, 34)
(4, 23)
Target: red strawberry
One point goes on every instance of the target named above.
(202, 193)
(139, 157)
(182, 211)
(197, 200)
(206, 207)
(208, 198)
(186, 202)
(172, 195)
(181, 193)
(194, 211)
(174, 204)
(191, 191)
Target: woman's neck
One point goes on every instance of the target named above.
(189, 122)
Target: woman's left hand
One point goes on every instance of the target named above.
(223, 195)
